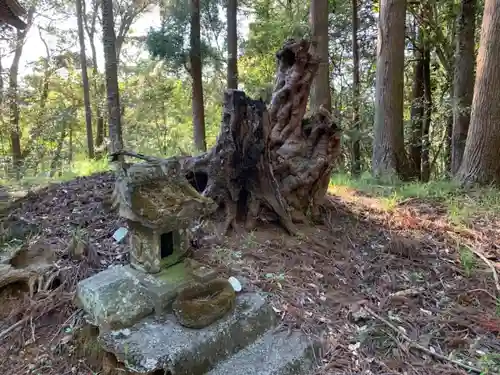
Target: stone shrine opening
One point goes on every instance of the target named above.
(166, 244)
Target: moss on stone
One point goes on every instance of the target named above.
(199, 305)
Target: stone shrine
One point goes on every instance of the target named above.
(137, 307)
(160, 205)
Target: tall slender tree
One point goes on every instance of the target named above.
(320, 91)
(232, 44)
(85, 79)
(196, 75)
(15, 131)
(356, 152)
(389, 158)
(90, 22)
(482, 149)
(111, 71)
(463, 82)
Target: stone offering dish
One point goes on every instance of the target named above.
(199, 305)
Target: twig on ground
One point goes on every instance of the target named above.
(413, 344)
(480, 254)
(13, 327)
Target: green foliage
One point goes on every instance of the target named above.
(467, 260)
(171, 41)
(273, 25)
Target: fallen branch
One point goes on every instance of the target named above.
(13, 327)
(489, 264)
(414, 345)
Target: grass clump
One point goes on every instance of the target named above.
(462, 204)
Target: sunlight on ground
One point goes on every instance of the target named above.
(461, 204)
(79, 168)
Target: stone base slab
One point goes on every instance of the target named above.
(120, 296)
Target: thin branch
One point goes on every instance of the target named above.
(480, 254)
(417, 346)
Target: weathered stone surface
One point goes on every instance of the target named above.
(145, 248)
(274, 354)
(120, 296)
(161, 343)
(160, 205)
(162, 287)
(200, 272)
(114, 298)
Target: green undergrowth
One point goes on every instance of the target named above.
(462, 205)
(79, 168)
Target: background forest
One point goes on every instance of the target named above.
(49, 131)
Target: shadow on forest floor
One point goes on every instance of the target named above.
(393, 290)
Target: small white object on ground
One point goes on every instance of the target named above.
(235, 284)
(120, 234)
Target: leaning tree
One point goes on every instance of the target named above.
(270, 163)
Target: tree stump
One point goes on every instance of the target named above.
(272, 164)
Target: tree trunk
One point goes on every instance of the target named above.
(85, 80)
(356, 153)
(425, 171)
(13, 93)
(417, 111)
(15, 131)
(195, 58)
(389, 158)
(320, 91)
(482, 149)
(270, 165)
(232, 44)
(463, 83)
(56, 159)
(99, 87)
(111, 71)
(449, 130)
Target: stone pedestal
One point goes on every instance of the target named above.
(136, 327)
(121, 295)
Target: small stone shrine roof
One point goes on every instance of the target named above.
(157, 195)
(11, 12)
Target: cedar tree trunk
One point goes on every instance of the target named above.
(111, 71)
(463, 82)
(196, 68)
(232, 44)
(482, 149)
(389, 158)
(85, 80)
(320, 92)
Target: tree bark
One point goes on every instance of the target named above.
(463, 82)
(232, 44)
(482, 150)
(85, 80)
(15, 130)
(426, 167)
(99, 87)
(196, 75)
(320, 91)
(356, 152)
(389, 159)
(111, 71)
(417, 110)
(56, 159)
(271, 165)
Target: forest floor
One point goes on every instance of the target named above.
(398, 280)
